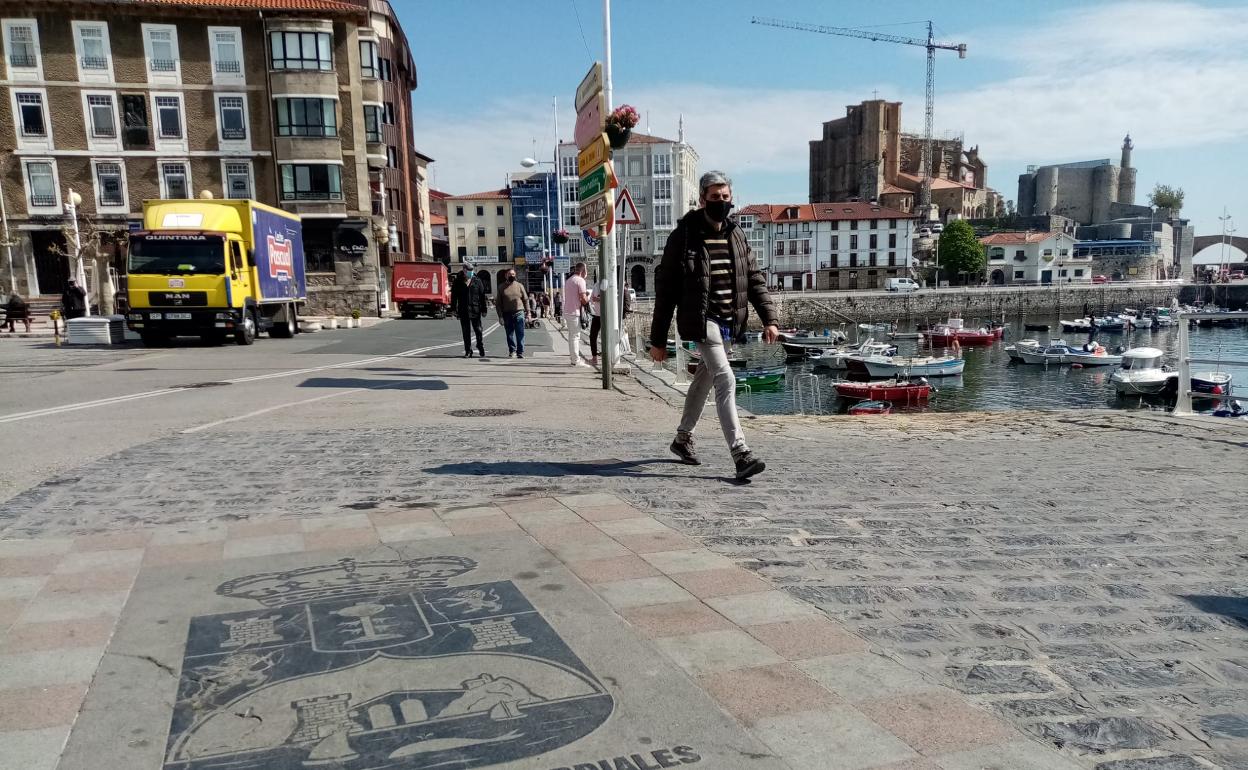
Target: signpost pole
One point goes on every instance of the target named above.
(610, 317)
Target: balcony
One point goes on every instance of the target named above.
(93, 62)
(42, 201)
(23, 60)
(228, 67)
(162, 65)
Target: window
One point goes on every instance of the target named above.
(368, 58)
(383, 68)
(568, 165)
(836, 242)
(853, 260)
(662, 164)
(1061, 273)
(662, 215)
(805, 247)
(459, 211)
(574, 245)
(570, 193)
(871, 259)
(311, 182)
(481, 251)
(1018, 275)
(836, 260)
(1079, 273)
(100, 111)
(21, 40)
(662, 189)
(91, 45)
(853, 224)
(793, 248)
(298, 116)
(793, 230)
(1019, 255)
(160, 44)
(875, 223)
(892, 259)
(498, 210)
(388, 114)
(779, 248)
(175, 180)
(805, 227)
(237, 180)
(502, 253)
(480, 232)
(168, 117)
(461, 252)
(134, 112)
(892, 224)
(481, 212)
(225, 48)
(569, 217)
(392, 157)
(853, 241)
(31, 121)
(109, 185)
(502, 232)
(232, 112)
(372, 123)
(892, 240)
(41, 184)
(873, 239)
(301, 51)
(637, 243)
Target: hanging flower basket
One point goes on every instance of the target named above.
(620, 125)
(559, 236)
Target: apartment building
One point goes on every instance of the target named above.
(1035, 258)
(661, 175)
(480, 232)
(302, 104)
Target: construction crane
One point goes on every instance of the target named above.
(925, 192)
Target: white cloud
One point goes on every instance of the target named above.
(1172, 74)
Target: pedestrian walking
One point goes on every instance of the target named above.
(558, 305)
(16, 309)
(74, 300)
(510, 303)
(595, 322)
(708, 278)
(545, 305)
(469, 303)
(575, 298)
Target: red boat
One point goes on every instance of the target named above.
(947, 333)
(904, 391)
(872, 407)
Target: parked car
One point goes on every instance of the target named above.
(925, 232)
(1237, 275)
(1097, 279)
(901, 284)
(937, 227)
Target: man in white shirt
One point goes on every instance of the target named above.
(575, 296)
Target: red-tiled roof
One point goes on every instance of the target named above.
(829, 212)
(439, 194)
(503, 194)
(938, 183)
(1017, 239)
(892, 189)
(336, 6)
(760, 210)
(437, 219)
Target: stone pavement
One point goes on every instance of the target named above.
(576, 632)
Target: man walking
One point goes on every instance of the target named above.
(708, 278)
(74, 300)
(575, 296)
(468, 303)
(510, 303)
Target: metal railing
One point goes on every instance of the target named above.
(228, 65)
(163, 65)
(1184, 403)
(94, 63)
(808, 394)
(22, 60)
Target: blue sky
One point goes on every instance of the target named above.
(1042, 83)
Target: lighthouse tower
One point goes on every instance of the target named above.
(1126, 174)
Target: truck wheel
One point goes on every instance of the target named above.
(246, 333)
(440, 313)
(285, 329)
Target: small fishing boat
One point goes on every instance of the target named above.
(838, 358)
(922, 366)
(1076, 325)
(871, 407)
(1142, 373)
(953, 331)
(1015, 351)
(1036, 327)
(1213, 383)
(875, 327)
(784, 335)
(1059, 352)
(903, 390)
(905, 335)
(1136, 321)
(758, 379)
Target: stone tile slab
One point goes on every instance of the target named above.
(835, 737)
(457, 652)
(33, 749)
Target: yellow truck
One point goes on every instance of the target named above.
(215, 269)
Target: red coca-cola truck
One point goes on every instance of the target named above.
(421, 288)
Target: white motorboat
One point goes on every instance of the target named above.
(836, 359)
(1015, 351)
(1136, 321)
(1076, 325)
(1142, 373)
(919, 366)
(1059, 352)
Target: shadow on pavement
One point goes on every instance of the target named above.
(359, 382)
(602, 468)
(1234, 608)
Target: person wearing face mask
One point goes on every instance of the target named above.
(468, 304)
(510, 304)
(708, 279)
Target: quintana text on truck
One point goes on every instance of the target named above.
(216, 269)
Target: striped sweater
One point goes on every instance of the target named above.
(723, 282)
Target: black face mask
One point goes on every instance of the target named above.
(718, 210)
(511, 279)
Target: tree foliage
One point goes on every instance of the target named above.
(961, 251)
(1164, 196)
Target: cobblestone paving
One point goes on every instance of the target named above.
(1082, 576)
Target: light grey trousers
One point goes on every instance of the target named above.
(714, 371)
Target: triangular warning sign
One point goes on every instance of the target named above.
(625, 211)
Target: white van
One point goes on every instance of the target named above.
(901, 284)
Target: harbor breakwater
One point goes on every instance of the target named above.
(813, 310)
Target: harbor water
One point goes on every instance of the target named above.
(991, 382)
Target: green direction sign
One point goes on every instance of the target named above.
(596, 182)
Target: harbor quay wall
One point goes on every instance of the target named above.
(809, 310)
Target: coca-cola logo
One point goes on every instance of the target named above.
(281, 257)
(421, 283)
